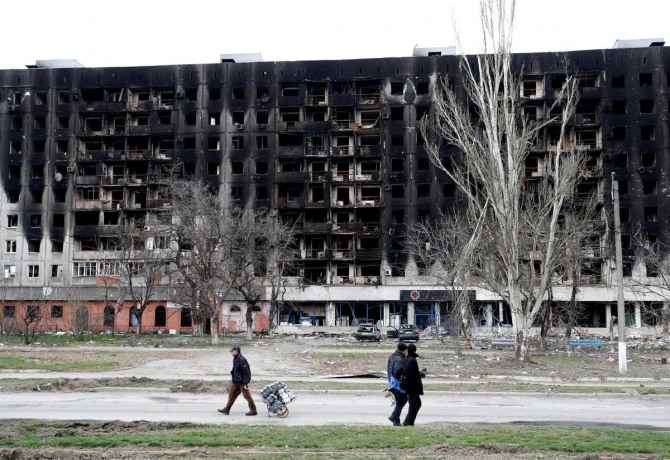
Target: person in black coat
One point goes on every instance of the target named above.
(412, 384)
(241, 376)
(394, 367)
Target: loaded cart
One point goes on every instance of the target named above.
(277, 395)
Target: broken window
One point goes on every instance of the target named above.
(646, 79)
(236, 193)
(648, 159)
(262, 117)
(14, 172)
(261, 167)
(620, 160)
(38, 146)
(422, 87)
(238, 167)
(213, 169)
(17, 123)
(290, 89)
(36, 195)
(397, 140)
(238, 118)
(15, 148)
(619, 107)
(624, 214)
(398, 191)
(213, 144)
(397, 113)
(261, 193)
(238, 93)
(647, 133)
(619, 133)
(448, 190)
(623, 187)
(214, 94)
(34, 245)
(35, 220)
(190, 119)
(238, 142)
(39, 122)
(619, 81)
(651, 214)
(646, 105)
(422, 163)
(214, 119)
(649, 187)
(63, 97)
(289, 114)
(423, 190)
(397, 88)
(263, 94)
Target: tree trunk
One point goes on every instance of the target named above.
(250, 322)
(572, 309)
(214, 328)
(665, 318)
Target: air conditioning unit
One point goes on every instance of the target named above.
(608, 157)
(387, 188)
(385, 115)
(391, 231)
(239, 126)
(70, 169)
(261, 125)
(179, 94)
(388, 272)
(147, 228)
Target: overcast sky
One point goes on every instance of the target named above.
(155, 32)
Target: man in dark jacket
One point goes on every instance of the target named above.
(412, 384)
(394, 372)
(241, 376)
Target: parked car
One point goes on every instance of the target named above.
(368, 331)
(306, 321)
(406, 332)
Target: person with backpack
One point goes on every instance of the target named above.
(412, 384)
(394, 367)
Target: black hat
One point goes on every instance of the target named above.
(235, 348)
(402, 346)
(411, 349)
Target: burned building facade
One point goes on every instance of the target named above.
(333, 145)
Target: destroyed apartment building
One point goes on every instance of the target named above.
(333, 145)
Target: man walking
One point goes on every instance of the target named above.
(394, 367)
(412, 384)
(241, 376)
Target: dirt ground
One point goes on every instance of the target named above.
(310, 357)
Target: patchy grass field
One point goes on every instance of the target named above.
(19, 439)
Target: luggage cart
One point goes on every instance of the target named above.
(276, 396)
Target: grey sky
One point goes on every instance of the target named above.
(155, 32)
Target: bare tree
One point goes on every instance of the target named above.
(653, 255)
(143, 261)
(264, 247)
(204, 241)
(518, 221)
(443, 247)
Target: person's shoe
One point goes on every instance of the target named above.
(224, 411)
(397, 424)
(251, 412)
(407, 424)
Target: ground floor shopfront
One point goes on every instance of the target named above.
(329, 309)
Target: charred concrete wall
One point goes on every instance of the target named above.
(333, 145)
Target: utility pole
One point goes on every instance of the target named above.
(621, 312)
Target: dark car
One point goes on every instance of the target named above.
(368, 331)
(406, 332)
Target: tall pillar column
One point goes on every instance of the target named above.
(387, 315)
(410, 313)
